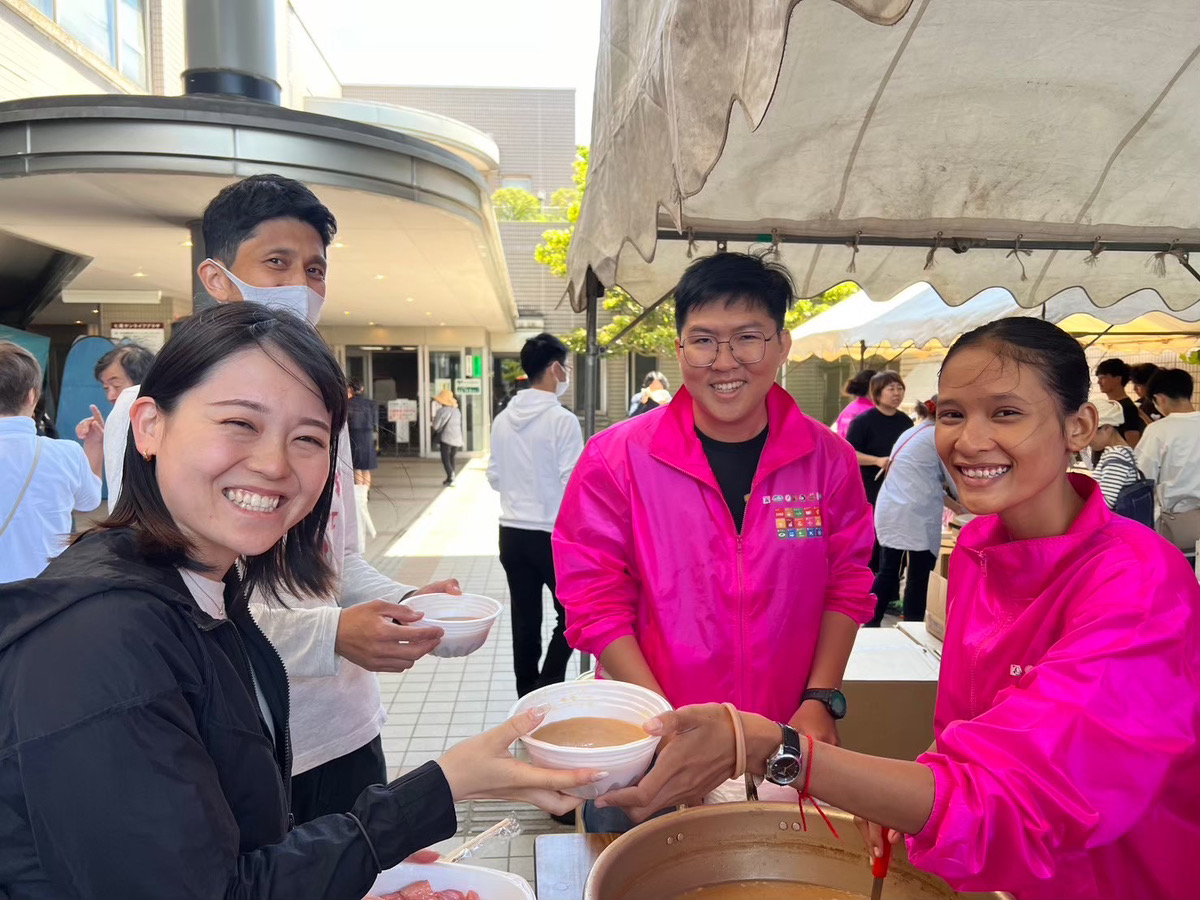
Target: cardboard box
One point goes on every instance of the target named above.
(935, 606)
(918, 633)
(891, 689)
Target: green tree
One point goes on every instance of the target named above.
(656, 333)
(516, 205)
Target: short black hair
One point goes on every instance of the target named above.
(1142, 373)
(881, 380)
(134, 359)
(1118, 368)
(860, 384)
(19, 374)
(1041, 345)
(1173, 383)
(540, 353)
(735, 278)
(197, 345)
(233, 216)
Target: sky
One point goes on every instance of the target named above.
(482, 43)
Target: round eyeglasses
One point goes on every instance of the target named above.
(747, 347)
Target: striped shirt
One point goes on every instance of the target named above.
(1116, 469)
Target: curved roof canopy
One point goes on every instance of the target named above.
(966, 143)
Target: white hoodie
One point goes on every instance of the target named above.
(535, 445)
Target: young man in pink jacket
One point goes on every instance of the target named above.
(716, 549)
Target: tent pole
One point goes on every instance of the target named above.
(862, 355)
(591, 364)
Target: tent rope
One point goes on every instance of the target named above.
(1017, 251)
(1158, 262)
(691, 239)
(853, 245)
(1094, 254)
(930, 262)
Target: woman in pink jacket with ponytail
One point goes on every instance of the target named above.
(1066, 761)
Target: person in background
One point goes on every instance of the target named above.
(267, 238)
(908, 518)
(42, 480)
(1112, 376)
(447, 428)
(873, 434)
(362, 418)
(858, 389)
(1066, 760)
(144, 717)
(655, 394)
(535, 445)
(648, 380)
(1116, 466)
(119, 370)
(1169, 453)
(1140, 375)
(716, 549)
(122, 367)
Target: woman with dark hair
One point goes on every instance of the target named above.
(144, 747)
(1140, 376)
(874, 433)
(857, 388)
(1066, 758)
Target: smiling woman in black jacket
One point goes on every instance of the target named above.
(143, 716)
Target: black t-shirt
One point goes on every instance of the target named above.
(734, 466)
(1133, 419)
(874, 434)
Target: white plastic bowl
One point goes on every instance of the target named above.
(490, 884)
(624, 764)
(461, 638)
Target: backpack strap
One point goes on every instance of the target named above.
(37, 454)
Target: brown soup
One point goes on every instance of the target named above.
(590, 731)
(766, 890)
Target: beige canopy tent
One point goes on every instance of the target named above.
(965, 143)
(918, 323)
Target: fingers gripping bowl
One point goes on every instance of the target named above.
(466, 619)
(625, 763)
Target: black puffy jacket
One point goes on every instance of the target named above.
(133, 758)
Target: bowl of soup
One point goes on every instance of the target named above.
(466, 619)
(594, 725)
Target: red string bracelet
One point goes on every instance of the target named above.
(805, 795)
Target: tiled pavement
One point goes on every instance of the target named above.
(439, 702)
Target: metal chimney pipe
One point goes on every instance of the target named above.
(231, 49)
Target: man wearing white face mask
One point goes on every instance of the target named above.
(267, 237)
(535, 445)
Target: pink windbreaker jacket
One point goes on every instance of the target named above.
(646, 546)
(1067, 715)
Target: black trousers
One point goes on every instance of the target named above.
(887, 582)
(334, 786)
(529, 565)
(448, 453)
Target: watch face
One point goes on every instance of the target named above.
(784, 769)
(837, 705)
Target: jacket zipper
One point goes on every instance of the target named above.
(285, 769)
(739, 697)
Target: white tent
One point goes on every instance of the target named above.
(965, 143)
(917, 322)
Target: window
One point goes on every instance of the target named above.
(115, 30)
(524, 182)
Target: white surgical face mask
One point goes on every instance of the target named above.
(561, 387)
(298, 299)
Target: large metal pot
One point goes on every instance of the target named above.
(726, 842)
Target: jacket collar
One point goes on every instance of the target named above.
(989, 535)
(17, 425)
(789, 437)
